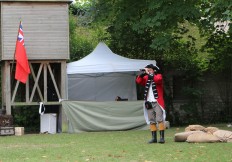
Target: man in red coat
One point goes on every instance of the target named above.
(154, 111)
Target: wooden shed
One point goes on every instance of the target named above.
(46, 36)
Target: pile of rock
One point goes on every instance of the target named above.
(200, 134)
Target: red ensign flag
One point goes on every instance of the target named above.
(22, 65)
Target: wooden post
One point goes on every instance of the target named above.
(7, 88)
(45, 82)
(63, 86)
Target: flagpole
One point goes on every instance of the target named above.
(15, 52)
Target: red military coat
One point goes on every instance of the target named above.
(158, 79)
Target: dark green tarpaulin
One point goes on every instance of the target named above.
(89, 116)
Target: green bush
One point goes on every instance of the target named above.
(27, 117)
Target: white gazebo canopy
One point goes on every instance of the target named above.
(103, 60)
(103, 75)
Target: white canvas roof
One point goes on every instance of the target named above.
(103, 60)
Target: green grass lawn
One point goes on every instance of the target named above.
(125, 146)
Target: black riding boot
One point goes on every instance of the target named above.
(154, 137)
(162, 137)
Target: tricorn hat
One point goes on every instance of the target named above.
(154, 67)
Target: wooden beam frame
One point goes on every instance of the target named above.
(34, 84)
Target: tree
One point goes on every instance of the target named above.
(157, 30)
(84, 34)
(216, 25)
